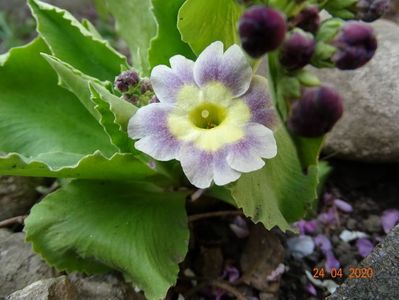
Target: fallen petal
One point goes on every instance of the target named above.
(389, 219)
(364, 247)
(311, 289)
(323, 242)
(331, 261)
(300, 246)
(348, 236)
(276, 273)
(231, 274)
(343, 206)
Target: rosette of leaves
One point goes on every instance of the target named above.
(60, 117)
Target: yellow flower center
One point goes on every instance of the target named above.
(207, 115)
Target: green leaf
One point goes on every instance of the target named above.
(120, 166)
(308, 150)
(73, 43)
(37, 116)
(136, 24)
(113, 126)
(279, 193)
(168, 41)
(307, 78)
(132, 227)
(112, 112)
(202, 22)
(289, 87)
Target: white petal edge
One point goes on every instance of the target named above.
(165, 83)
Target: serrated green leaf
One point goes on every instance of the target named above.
(133, 227)
(136, 24)
(73, 43)
(109, 120)
(90, 27)
(168, 41)
(202, 22)
(279, 193)
(37, 116)
(121, 166)
(112, 112)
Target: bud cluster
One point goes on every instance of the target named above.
(134, 89)
(300, 38)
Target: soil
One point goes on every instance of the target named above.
(215, 248)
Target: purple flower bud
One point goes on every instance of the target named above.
(146, 86)
(316, 112)
(308, 19)
(126, 80)
(371, 10)
(297, 50)
(261, 30)
(356, 45)
(364, 247)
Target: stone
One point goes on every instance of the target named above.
(103, 287)
(59, 288)
(369, 128)
(262, 254)
(19, 265)
(17, 195)
(384, 283)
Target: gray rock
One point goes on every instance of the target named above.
(369, 128)
(103, 287)
(59, 288)
(19, 265)
(17, 195)
(384, 260)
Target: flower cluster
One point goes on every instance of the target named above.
(214, 116)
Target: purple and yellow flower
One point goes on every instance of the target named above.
(213, 115)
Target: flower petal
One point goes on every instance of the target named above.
(167, 82)
(183, 68)
(231, 68)
(201, 167)
(258, 100)
(197, 165)
(246, 155)
(149, 124)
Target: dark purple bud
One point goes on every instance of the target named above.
(308, 19)
(356, 45)
(297, 50)
(133, 99)
(126, 80)
(146, 86)
(261, 30)
(371, 10)
(316, 112)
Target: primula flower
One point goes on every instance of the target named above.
(214, 116)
